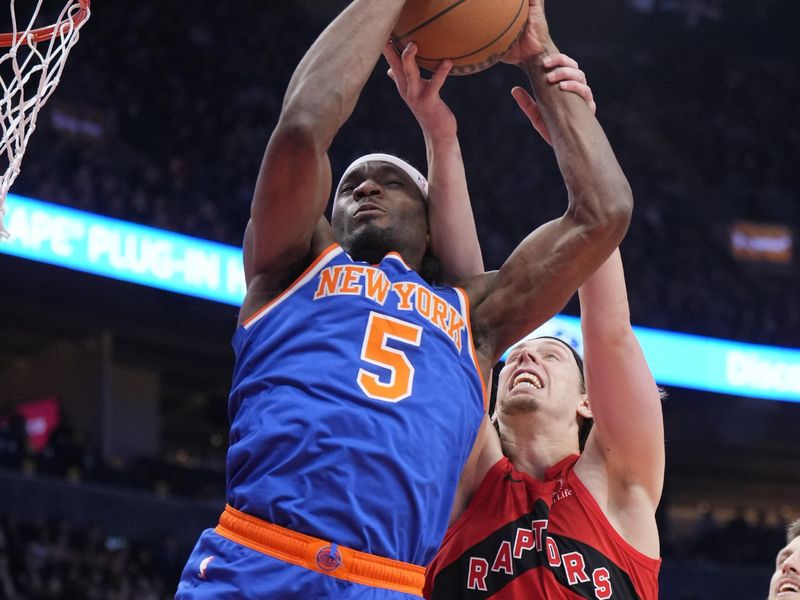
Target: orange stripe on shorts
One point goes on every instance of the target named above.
(318, 555)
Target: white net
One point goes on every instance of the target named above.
(30, 69)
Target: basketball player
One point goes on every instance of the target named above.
(574, 525)
(785, 582)
(539, 516)
(359, 387)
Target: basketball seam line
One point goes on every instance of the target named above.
(502, 33)
(432, 18)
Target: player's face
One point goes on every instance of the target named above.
(378, 208)
(785, 582)
(539, 375)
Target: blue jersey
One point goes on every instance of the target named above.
(356, 399)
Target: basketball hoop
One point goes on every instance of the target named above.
(31, 61)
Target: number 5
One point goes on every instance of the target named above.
(375, 351)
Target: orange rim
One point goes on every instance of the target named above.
(45, 33)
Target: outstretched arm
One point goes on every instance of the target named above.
(454, 239)
(548, 266)
(294, 182)
(626, 445)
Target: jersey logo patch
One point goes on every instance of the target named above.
(329, 558)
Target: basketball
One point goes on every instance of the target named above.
(474, 34)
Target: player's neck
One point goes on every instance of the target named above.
(374, 256)
(533, 452)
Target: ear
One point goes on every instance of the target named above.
(584, 409)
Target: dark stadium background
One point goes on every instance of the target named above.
(171, 105)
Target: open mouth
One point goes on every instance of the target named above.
(527, 380)
(789, 587)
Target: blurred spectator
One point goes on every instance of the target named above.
(54, 561)
(13, 440)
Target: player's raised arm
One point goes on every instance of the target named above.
(454, 239)
(294, 182)
(548, 266)
(626, 444)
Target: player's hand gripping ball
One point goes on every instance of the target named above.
(474, 34)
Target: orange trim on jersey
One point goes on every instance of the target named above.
(472, 352)
(326, 254)
(316, 555)
(398, 256)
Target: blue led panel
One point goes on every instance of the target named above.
(83, 241)
(148, 256)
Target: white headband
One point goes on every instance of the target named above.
(415, 175)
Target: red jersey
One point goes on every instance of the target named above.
(525, 539)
